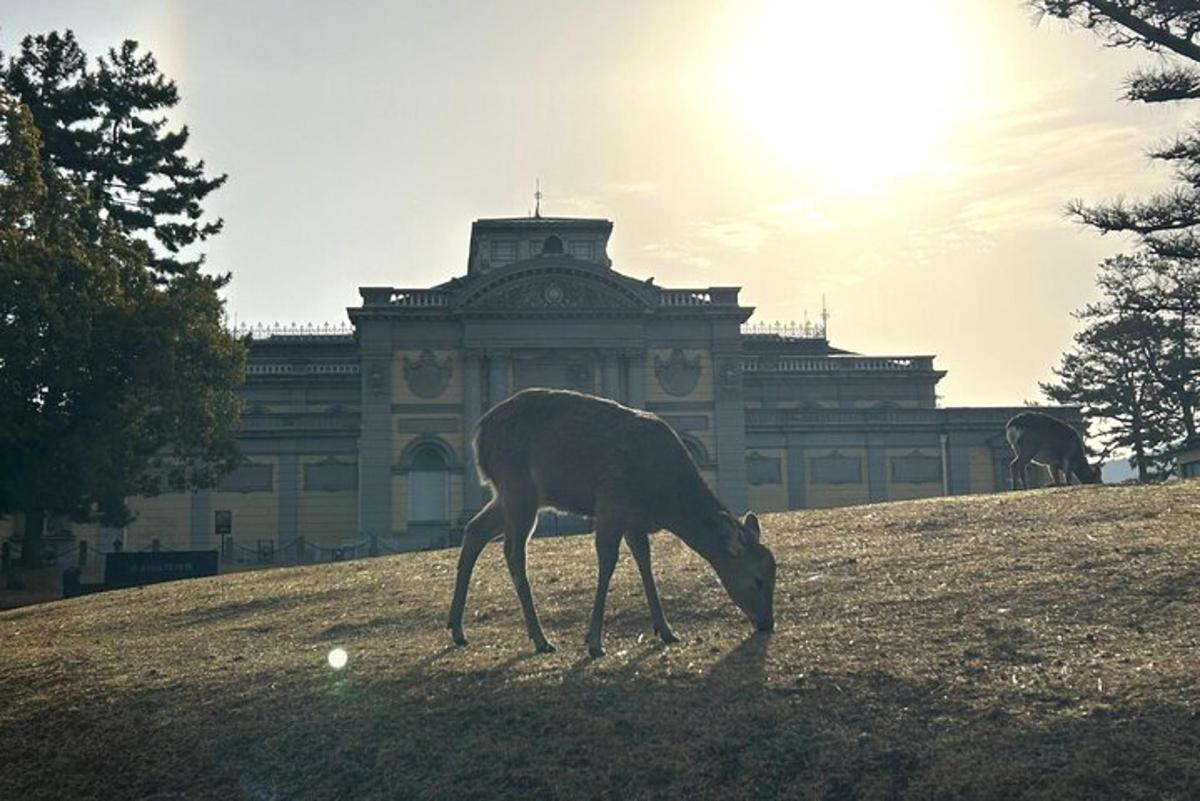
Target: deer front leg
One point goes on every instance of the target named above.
(1016, 472)
(608, 544)
(478, 533)
(639, 546)
(519, 520)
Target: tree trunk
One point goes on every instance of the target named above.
(31, 545)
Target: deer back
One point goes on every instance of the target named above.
(570, 448)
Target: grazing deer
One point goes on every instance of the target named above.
(1040, 438)
(629, 471)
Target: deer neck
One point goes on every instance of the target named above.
(697, 522)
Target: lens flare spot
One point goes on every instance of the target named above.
(338, 658)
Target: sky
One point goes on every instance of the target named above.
(907, 163)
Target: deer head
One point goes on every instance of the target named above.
(746, 569)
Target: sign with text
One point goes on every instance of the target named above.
(134, 569)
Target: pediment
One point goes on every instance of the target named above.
(539, 287)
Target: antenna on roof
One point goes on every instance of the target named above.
(537, 199)
(824, 319)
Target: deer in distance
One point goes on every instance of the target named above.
(1045, 440)
(631, 473)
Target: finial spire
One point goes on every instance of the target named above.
(824, 319)
(537, 199)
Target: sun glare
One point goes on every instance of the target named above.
(852, 96)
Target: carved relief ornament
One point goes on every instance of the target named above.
(426, 376)
(677, 375)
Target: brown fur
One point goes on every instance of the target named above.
(629, 471)
(1040, 438)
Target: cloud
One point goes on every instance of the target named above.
(742, 234)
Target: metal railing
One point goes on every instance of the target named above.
(829, 364)
(264, 330)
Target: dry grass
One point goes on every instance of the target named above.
(1040, 645)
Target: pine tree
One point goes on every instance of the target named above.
(105, 129)
(111, 383)
(1135, 367)
(1168, 224)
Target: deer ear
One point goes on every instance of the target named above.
(750, 524)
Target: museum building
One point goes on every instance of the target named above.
(363, 440)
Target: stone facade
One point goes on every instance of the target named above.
(364, 441)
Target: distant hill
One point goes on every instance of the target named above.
(1026, 645)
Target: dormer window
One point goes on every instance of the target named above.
(552, 245)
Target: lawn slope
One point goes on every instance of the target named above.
(1026, 645)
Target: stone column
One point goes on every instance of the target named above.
(877, 489)
(610, 375)
(729, 423)
(288, 496)
(635, 366)
(497, 377)
(472, 404)
(375, 438)
(201, 519)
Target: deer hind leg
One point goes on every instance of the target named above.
(520, 513)
(1054, 471)
(639, 546)
(608, 546)
(483, 528)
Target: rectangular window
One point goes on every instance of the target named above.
(250, 477)
(835, 468)
(504, 252)
(583, 250)
(535, 247)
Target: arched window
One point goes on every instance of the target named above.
(553, 245)
(428, 485)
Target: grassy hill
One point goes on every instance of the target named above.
(1032, 645)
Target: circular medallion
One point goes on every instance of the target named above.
(553, 294)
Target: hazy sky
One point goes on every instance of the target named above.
(907, 160)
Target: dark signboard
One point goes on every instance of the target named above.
(224, 522)
(134, 569)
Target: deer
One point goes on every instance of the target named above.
(629, 471)
(1045, 440)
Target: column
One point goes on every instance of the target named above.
(635, 366)
(877, 477)
(797, 472)
(610, 375)
(288, 495)
(201, 521)
(497, 375)
(729, 423)
(472, 402)
(375, 438)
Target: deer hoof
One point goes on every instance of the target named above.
(595, 651)
(667, 636)
(545, 647)
(458, 637)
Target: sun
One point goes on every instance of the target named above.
(854, 95)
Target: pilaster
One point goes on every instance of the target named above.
(610, 375)
(375, 439)
(288, 496)
(729, 424)
(472, 403)
(498, 370)
(200, 521)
